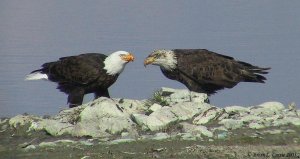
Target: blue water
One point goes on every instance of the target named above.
(32, 32)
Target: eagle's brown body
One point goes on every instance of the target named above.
(204, 71)
(79, 75)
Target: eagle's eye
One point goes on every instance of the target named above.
(123, 56)
(157, 55)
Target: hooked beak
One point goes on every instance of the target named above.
(149, 60)
(128, 57)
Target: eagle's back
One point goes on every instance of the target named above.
(85, 71)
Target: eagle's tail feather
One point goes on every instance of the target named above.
(254, 74)
(36, 75)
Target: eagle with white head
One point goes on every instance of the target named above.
(83, 74)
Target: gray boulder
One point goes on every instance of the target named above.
(157, 120)
(21, 120)
(209, 113)
(173, 96)
(103, 117)
(131, 106)
(196, 130)
(232, 124)
(267, 109)
(155, 107)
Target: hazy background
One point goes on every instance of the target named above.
(265, 33)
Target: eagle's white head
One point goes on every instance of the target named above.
(163, 58)
(115, 62)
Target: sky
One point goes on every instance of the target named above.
(264, 33)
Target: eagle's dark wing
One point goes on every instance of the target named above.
(212, 71)
(81, 69)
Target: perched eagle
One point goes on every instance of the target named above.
(204, 71)
(83, 74)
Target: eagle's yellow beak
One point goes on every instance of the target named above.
(149, 60)
(129, 57)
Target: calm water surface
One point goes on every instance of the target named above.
(32, 32)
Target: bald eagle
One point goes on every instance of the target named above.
(204, 71)
(83, 74)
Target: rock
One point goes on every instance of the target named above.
(24, 145)
(187, 136)
(160, 136)
(206, 116)
(161, 119)
(256, 126)
(290, 131)
(291, 113)
(251, 118)
(222, 135)
(155, 107)
(186, 110)
(204, 131)
(231, 123)
(101, 118)
(220, 128)
(273, 132)
(173, 96)
(179, 96)
(65, 141)
(2, 121)
(292, 106)
(237, 109)
(193, 129)
(141, 120)
(267, 109)
(155, 121)
(273, 106)
(295, 121)
(21, 120)
(121, 141)
(165, 91)
(131, 106)
(101, 107)
(30, 147)
(53, 127)
(57, 142)
(287, 120)
(84, 129)
(124, 134)
(155, 124)
(273, 118)
(47, 144)
(86, 143)
(70, 115)
(3, 128)
(281, 122)
(198, 97)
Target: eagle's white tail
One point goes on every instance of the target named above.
(36, 76)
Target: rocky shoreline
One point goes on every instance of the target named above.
(172, 114)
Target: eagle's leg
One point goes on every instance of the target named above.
(102, 93)
(75, 98)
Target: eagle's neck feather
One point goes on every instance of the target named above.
(171, 61)
(114, 65)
